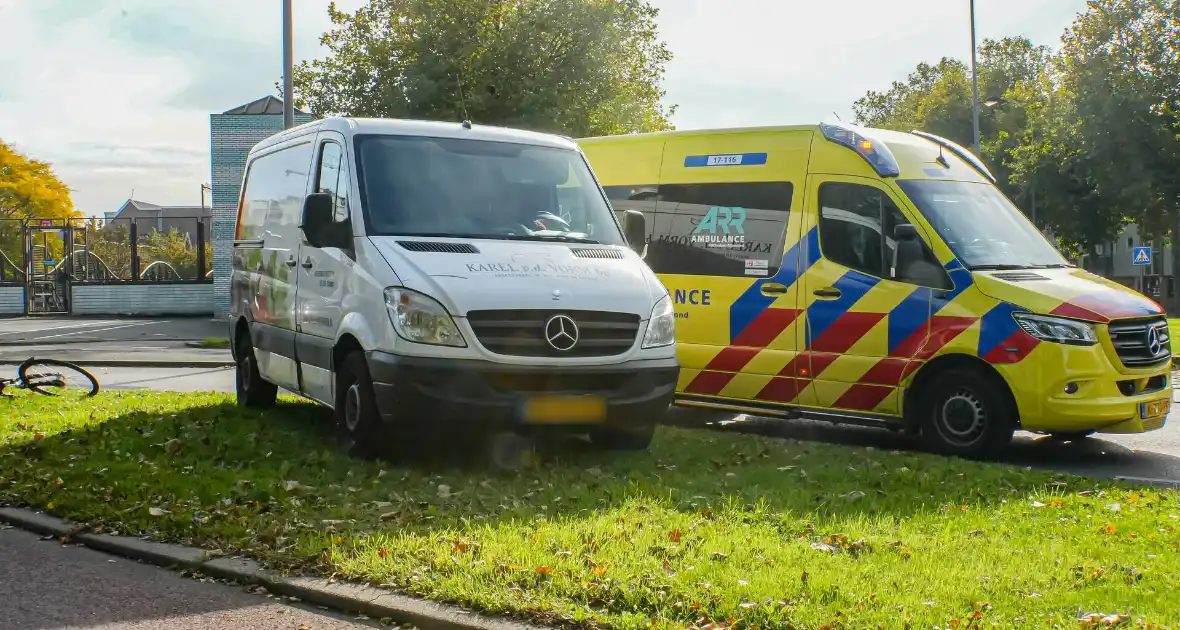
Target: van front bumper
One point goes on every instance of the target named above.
(493, 393)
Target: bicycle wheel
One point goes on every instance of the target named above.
(51, 377)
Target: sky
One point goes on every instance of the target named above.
(116, 94)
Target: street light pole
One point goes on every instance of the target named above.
(974, 83)
(288, 65)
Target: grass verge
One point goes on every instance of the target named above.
(214, 342)
(708, 528)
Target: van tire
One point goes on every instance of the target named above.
(967, 412)
(358, 418)
(634, 437)
(252, 390)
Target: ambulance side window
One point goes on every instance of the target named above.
(857, 229)
(727, 229)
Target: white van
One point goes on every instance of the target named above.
(413, 275)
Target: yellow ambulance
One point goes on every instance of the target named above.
(881, 278)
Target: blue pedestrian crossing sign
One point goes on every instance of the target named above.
(1141, 255)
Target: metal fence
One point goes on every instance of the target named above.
(100, 251)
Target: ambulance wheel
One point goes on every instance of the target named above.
(634, 437)
(357, 417)
(251, 389)
(967, 413)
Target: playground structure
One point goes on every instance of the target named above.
(33, 257)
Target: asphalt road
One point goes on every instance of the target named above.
(57, 330)
(46, 585)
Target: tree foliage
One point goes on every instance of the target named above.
(29, 189)
(1088, 135)
(579, 67)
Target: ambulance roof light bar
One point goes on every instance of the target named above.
(875, 153)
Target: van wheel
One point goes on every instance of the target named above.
(635, 437)
(357, 417)
(966, 413)
(252, 390)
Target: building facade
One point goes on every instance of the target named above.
(1114, 260)
(232, 134)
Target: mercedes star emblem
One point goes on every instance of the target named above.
(561, 332)
(1153, 340)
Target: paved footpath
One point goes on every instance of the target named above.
(45, 585)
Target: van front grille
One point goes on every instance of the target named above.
(523, 332)
(1141, 342)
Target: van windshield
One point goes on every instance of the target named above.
(415, 186)
(983, 229)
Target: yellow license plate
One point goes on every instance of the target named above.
(1154, 408)
(564, 410)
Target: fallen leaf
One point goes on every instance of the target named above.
(157, 511)
(383, 552)
(674, 535)
(444, 491)
(543, 570)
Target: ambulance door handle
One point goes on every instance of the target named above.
(773, 288)
(827, 292)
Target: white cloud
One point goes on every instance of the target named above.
(117, 93)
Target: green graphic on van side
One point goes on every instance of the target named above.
(724, 218)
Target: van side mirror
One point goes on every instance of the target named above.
(317, 223)
(635, 230)
(905, 232)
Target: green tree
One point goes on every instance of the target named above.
(938, 99)
(579, 67)
(28, 189)
(1120, 64)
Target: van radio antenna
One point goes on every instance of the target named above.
(462, 101)
(837, 116)
(942, 158)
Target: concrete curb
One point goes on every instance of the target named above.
(353, 598)
(1172, 484)
(134, 363)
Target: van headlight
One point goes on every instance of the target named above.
(1057, 329)
(421, 319)
(661, 328)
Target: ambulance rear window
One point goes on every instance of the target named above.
(724, 229)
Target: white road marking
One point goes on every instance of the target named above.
(93, 330)
(74, 325)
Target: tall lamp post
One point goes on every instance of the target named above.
(974, 84)
(288, 65)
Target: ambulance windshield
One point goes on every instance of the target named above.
(983, 229)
